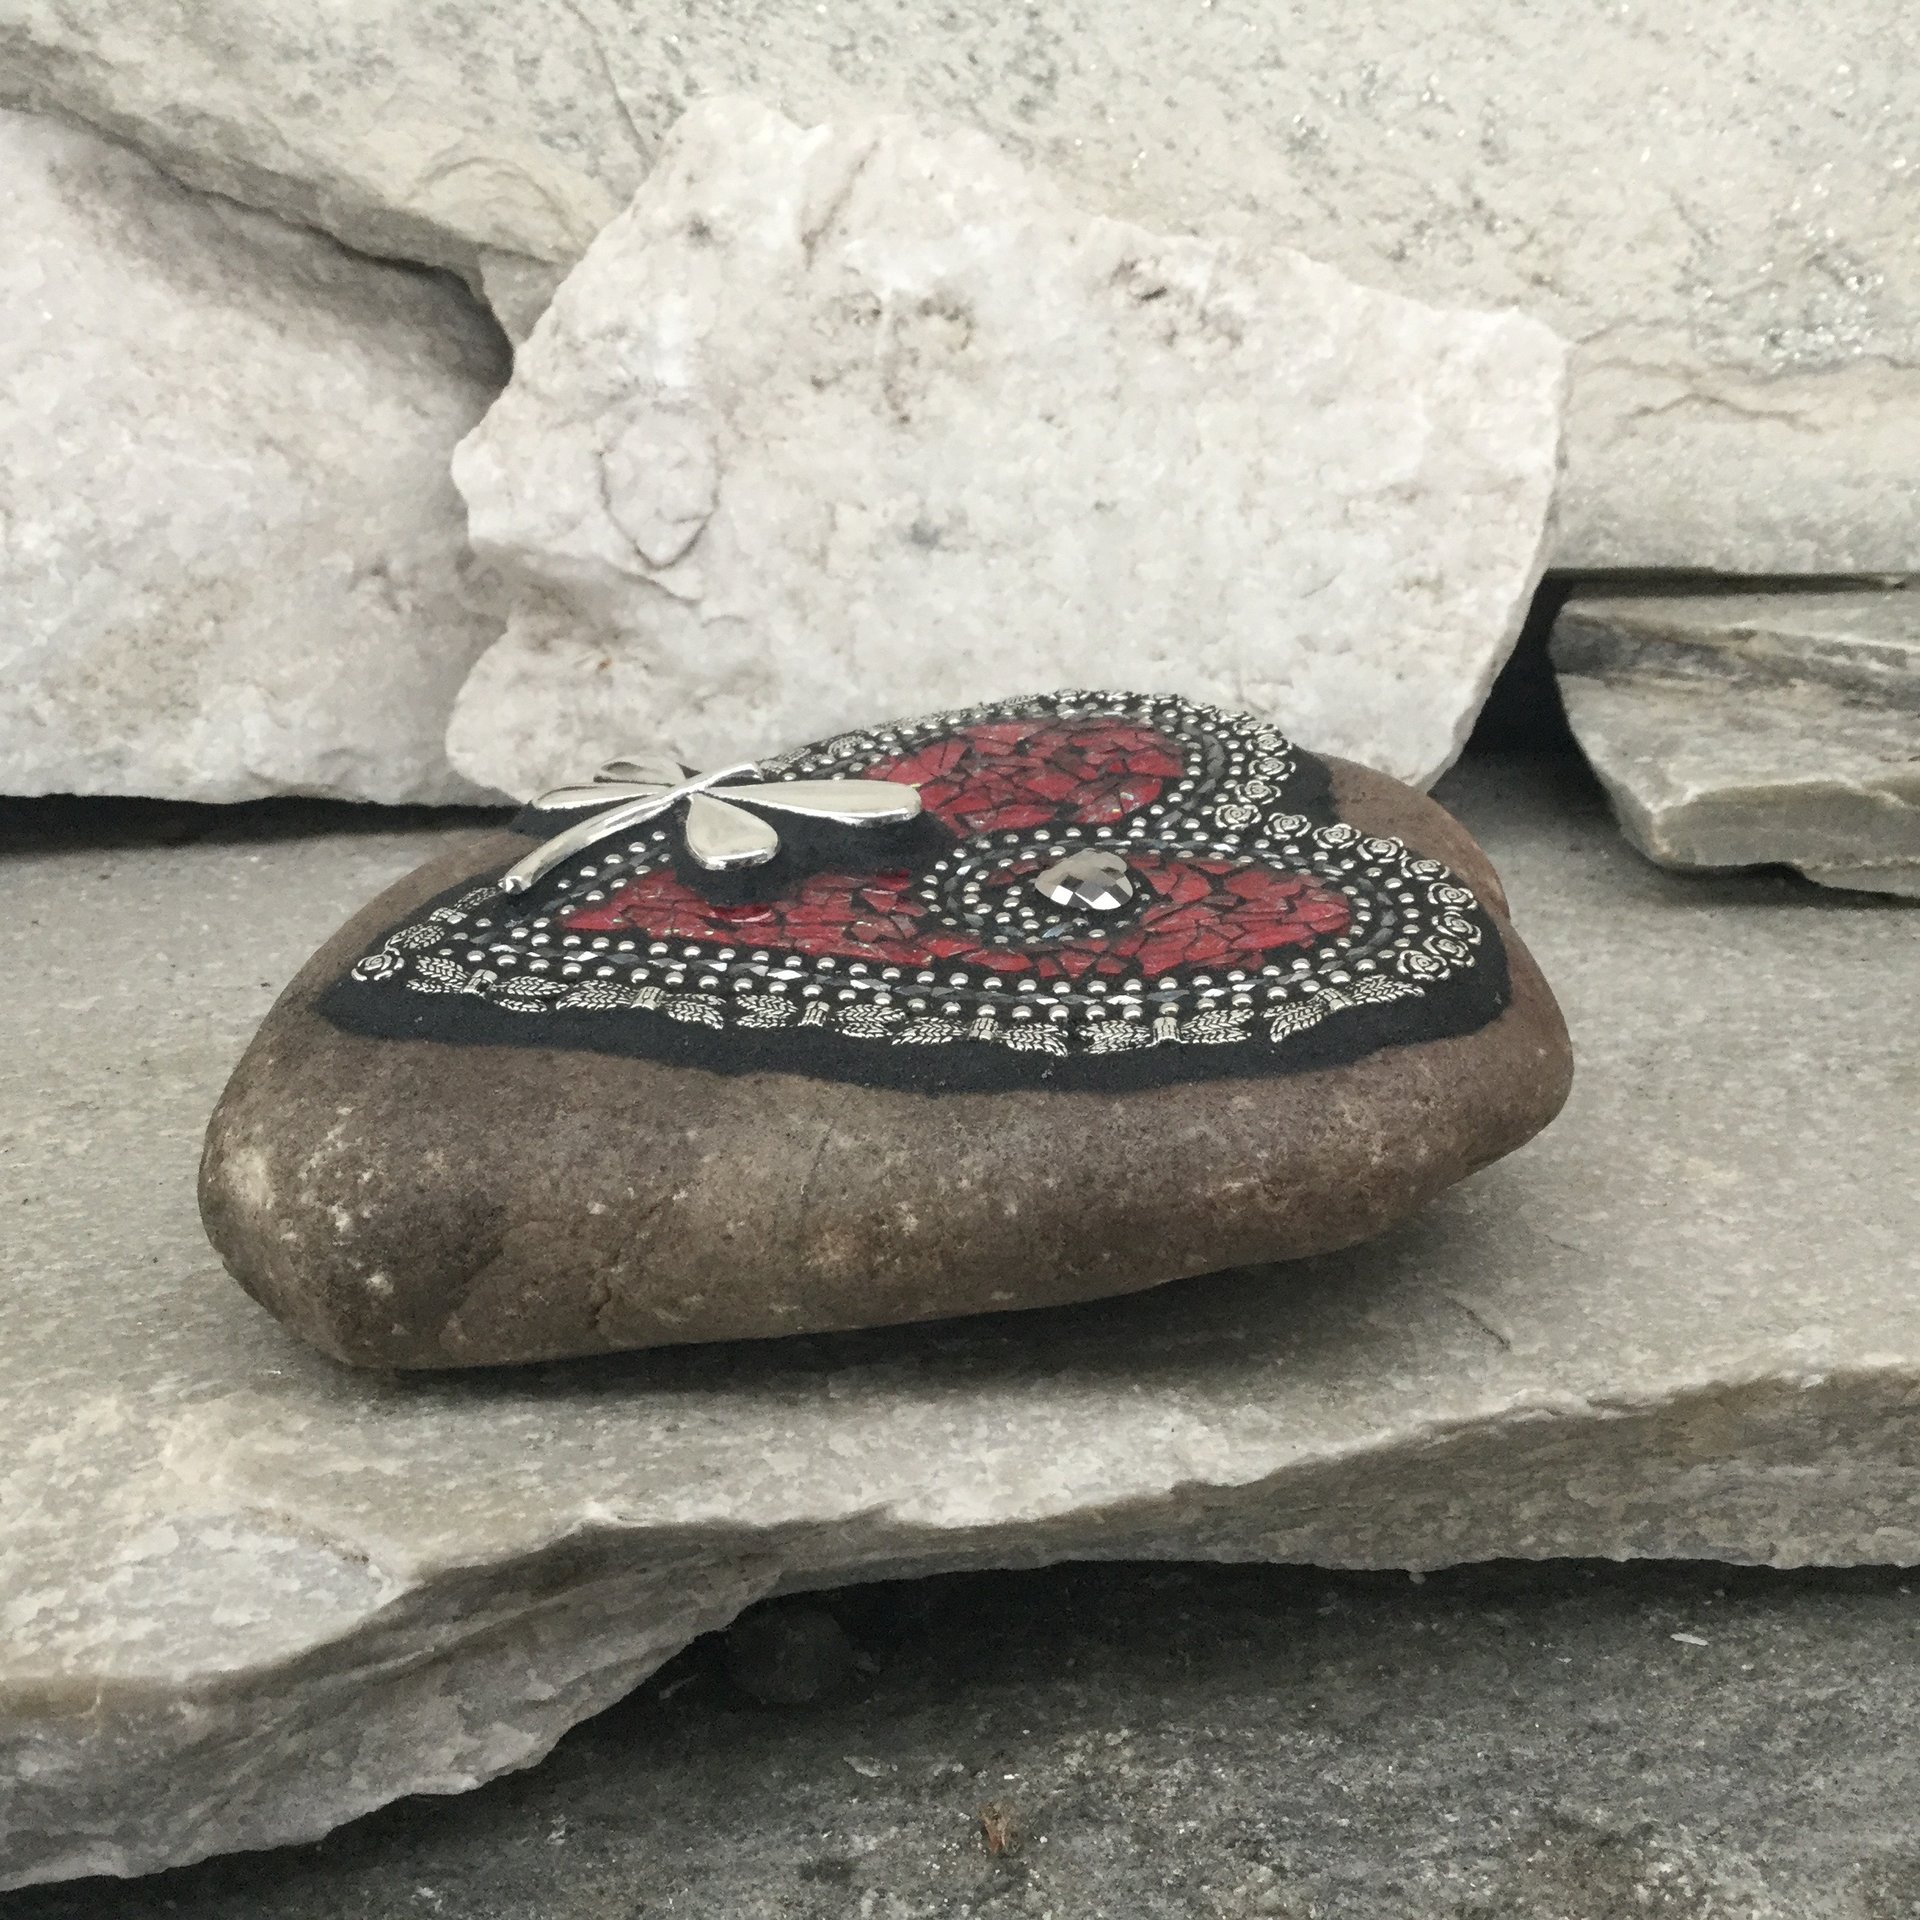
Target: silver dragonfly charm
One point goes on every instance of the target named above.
(722, 830)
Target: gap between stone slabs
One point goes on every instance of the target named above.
(249, 1595)
(1527, 1741)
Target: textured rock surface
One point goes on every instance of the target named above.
(230, 556)
(1733, 731)
(839, 424)
(1719, 207)
(386, 1198)
(249, 1594)
(1240, 1743)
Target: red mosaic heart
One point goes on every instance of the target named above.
(1012, 776)
(1243, 927)
(1008, 775)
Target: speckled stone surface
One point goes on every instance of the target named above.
(232, 562)
(416, 1203)
(1716, 204)
(249, 1593)
(836, 423)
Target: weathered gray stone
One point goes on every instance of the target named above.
(248, 1594)
(231, 561)
(1737, 730)
(836, 425)
(1717, 206)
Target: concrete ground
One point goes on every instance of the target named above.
(1558, 1742)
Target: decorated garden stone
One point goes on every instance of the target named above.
(1038, 1002)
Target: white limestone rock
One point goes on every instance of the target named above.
(246, 1594)
(839, 424)
(1738, 730)
(1716, 203)
(231, 560)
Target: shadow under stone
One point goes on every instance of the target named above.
(1569, 1739)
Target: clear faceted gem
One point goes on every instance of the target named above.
(1091, 878)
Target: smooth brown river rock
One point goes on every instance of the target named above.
(1143, 991)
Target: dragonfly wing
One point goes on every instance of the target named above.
(604, 794)
(654, 769)
(601, 824)
(721, 837)
(850, 803)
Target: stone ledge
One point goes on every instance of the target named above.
(251, 1595)
(1738, 729)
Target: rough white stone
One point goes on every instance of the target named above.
(1737, 730)
(840, 424)
(230, 556)
(245, 1594)
(1716, 202)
